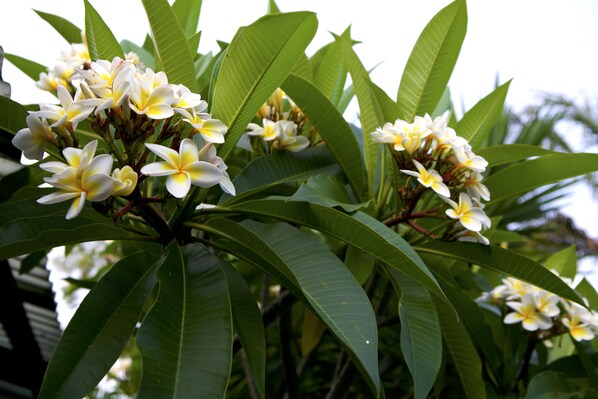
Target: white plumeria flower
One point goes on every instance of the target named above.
(579, 322)
(515, 289)
(49, 82)
(183, 168)
(270, 130)
(475, 188)
(547, 303)
(125, 180)
(34, 138)
(152, 80)
(429, 178)
(470, 217)
(77, 56)
(103, 74)
(288, 138)
(467, 159)
(85, 177)
(195, 116)
(211, 130)
(472, 236)
(208, 154)
(404, 136)
(155, 103)
(71, 111)
(526, 313)
(184, 98)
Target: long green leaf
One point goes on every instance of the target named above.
(248, 324)
(506, 153)
(187, 13)
(564, 262)
(29, 68)
(64, 27)
(463, 352)
(100, 328)
(358, 229)
(281, 167)
(477, 122)
(331, 73)
(101, 42)
(12, 115)
(525, 176)
(257, 61)
(26, 226)
(186, 338)
(170, 43)
(320, 279)
(503, 261)
(370, 110)
(421, 340)
(432, 60)
(331, 126)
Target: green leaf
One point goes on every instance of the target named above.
(371, 111)
(478, 121)
(388, 107)
(187, 13)
(550, 385)
(331, 73)
(564, 262)
(326, 191)
(431, 62)
(186, 338)
(145, 56)
(587, 290)
(272, 7)
(505, 153)
(257, 61)
(64, 27)
(29, 68)
(12, 115)
(359, 263)
(358, 229)
(331, 126)
(31, 261)
(503, 261)
(193, 43)
(421, 340)
(523, 177)
(316, 276)
(463, 352)
(101, 42)
(26, 226)
(100, 328)
(170, 43)
(248, 324)
(281, 167)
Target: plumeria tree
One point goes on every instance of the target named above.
(267, 246)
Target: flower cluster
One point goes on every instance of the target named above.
(137, 114)
(438, 158)
(542, 312)
(280, 130)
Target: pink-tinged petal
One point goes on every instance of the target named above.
(58, 196)
(178, 184)
(167, 154)
(98, 187)
(159, 111)
(159, 169)
(188, 153)
(203, 174)
(102, 164)
(76, 207)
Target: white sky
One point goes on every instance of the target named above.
(544, 45)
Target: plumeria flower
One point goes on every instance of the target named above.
(125, 180)
(467, 159)
(184, 98)
(155, 103)
(270, 130)
(211, 130)
(208, 154)
(70, 110)
(475, 188)
(34, 138)
(49, 82)
(429, 178)
(183, 168)
(403, 135)
(152, 80)
(472, 218)
(472, 236)
(577, 321)
(84, 177)
(103, 74)
(515, 288)
(547, 303)
(77, 56)
(526, 313)
(289, 140)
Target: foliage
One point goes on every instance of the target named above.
(269, 247)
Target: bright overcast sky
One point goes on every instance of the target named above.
(544, 45)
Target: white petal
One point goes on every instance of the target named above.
(57, 196)
(178, 184)
(159, 169)
(167, 154)
(203, 174)
(76, 206)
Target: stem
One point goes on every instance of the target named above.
(108, 137)
(247, 370)
(341, 385)
(286, 351)
(527, 356)
(420, 229)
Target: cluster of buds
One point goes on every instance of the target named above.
(282, 125)
(540, 312)
(439, 159)
(136, 114)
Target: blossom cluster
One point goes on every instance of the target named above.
(137, 114)
(542, 312)
(280, 129)
(432, 152)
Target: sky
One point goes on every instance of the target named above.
(543, 45)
